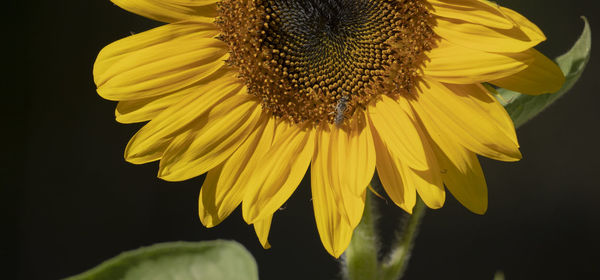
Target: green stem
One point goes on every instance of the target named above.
(395, 265)
(360, 258)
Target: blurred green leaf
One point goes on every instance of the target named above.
(522, 108)
(207, 260)
(499, 275)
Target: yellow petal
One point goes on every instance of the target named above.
(344, 162)
(466, 183)
(262, 228)
(222, 190)
(485, 38)
(470, 115)
(161, 69)
(162, 34)
(395, 126)
(282, 168)
(217, 135)
(171, 10)
(452, 63)
(528, 27)
(445, 142)
(481, 99)
(428, 184)
(209, 201)
(143, 53)
(388, 169)
(149, 143)
(473, 11)
(333, 227)
(141, 110)
(542, 75)
(400, 180)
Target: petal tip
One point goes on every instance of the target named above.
(266, 245)
(477, 207)
(207, 220)
(516, 155)
(336, 253)
(168, 175)
(434, 203)
(480, 211)
(408, 210)
(133, 158)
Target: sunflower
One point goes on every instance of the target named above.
(256, 92)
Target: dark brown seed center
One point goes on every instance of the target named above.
(320, 60)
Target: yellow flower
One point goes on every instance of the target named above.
(255, 92)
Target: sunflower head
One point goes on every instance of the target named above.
(256, 92)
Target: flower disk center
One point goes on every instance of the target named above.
(320, 60)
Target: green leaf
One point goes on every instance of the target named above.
(522, 108)
(207, 260)
(499, 275)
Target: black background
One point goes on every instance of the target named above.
(71, 201)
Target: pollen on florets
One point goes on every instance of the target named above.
(303, 57)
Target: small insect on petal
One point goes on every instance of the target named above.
(340, 109)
